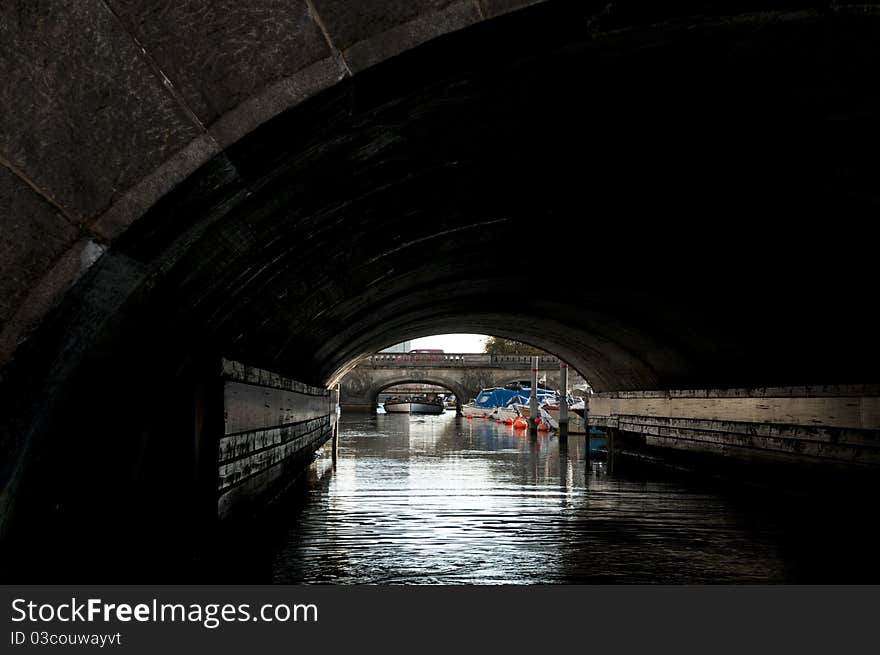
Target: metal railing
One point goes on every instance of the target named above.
(463, 360)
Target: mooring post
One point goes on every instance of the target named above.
(533, 400)
(563, 401)
(563, 463)
(334, 417)
(611, 432)
(587, 428)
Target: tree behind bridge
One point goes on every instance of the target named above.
(499, 346)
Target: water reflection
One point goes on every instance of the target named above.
(449, 500)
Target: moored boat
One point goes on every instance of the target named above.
(507, 414)
(414, 405)
(575, 422)
(487, 401)
(503, 402)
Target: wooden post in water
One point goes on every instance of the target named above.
(533, 400)
(334, 416)
(563, 401)
(587, 428)
(611, 433)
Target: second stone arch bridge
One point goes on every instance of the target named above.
(464, 374)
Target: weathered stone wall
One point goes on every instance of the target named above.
(108, 105)
(272, 428)
(836, 426)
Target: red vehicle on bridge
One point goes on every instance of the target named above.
(426, 354)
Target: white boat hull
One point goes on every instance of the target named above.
(575, 421)
(506, 412)
(474, 410)
(522, 410)
(548, 418)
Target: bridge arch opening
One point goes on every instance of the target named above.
(468, 185)
(464, 373)
(449, 386)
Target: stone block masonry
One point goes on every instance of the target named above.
(835, 426)
(272, 427)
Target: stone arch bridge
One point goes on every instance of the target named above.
(461, 373)
(209, 209)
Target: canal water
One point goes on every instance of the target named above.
(447, 500)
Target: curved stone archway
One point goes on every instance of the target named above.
(450, 385)
(156, 150)
(360, 389)
(141, 99)
(213, 181)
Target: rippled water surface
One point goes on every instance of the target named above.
(446, 500)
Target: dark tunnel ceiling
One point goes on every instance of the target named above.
(633, 202)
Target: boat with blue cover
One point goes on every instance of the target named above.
(500, 402)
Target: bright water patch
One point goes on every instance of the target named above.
(446, 500)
